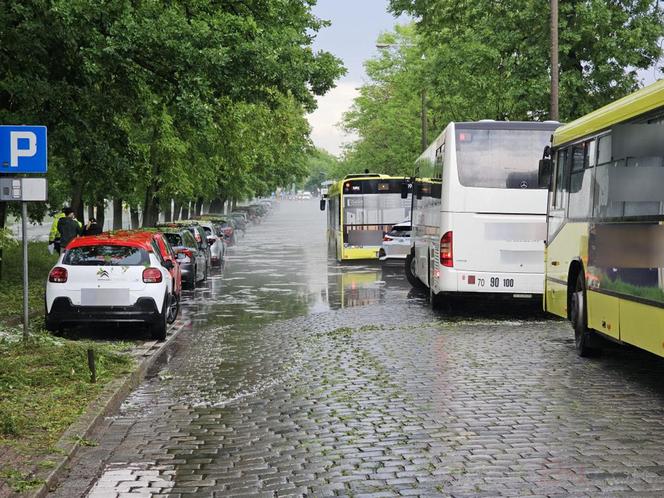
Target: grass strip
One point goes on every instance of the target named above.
(40, 263)
(44, 387)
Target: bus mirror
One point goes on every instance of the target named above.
(322, 204)
(418, 191)
(544, 173)
(404, 190)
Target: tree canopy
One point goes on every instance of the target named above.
(153, 100)
(490, 59)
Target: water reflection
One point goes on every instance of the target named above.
(363, 285)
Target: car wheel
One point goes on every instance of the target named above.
(158, 330)
(411, 275)
(583, 340)
(173, 309)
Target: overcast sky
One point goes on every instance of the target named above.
(352, 36)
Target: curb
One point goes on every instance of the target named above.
(108, 401)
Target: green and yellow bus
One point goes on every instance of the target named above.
(604, 259)
(361, 210)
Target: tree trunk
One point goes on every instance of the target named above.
(91, 212)
(135, 222)
(217, 205)
(198, 206)
(177, 207)
(117, 214)
(77, 202)
(101, 213)
(234, 204)
(168, 211)
(185, 211)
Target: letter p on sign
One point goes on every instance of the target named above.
(18, 141)
(23, 149)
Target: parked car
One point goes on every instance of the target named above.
(240, 219)
(216, 241)
(223, 225)
(199, 235)
(191, 259)
(396, 242)
(111, 278)
(166, 253)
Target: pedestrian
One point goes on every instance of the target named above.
(92, 228)
(54, 235)
(69, 228)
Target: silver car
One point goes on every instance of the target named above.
(216, 242)
(396, 242)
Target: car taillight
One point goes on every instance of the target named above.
(152, 275)
(446, 250)
(58, 275)
(387, 239)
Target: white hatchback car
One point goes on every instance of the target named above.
(111, 279)
(396, 242)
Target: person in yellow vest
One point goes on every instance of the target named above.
(54, 234)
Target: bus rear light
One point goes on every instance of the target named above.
(446, 250)
(152, 276)
(58, 275)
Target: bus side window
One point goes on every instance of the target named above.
(562, 179)
(580, 183)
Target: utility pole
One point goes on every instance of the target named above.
(425, 122)
(553, 110)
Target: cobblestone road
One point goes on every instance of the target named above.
(301, 377)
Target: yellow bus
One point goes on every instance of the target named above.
(362, 208)
(604, 259)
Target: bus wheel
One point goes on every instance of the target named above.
(579, 319)
(411, 276)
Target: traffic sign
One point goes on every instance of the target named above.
(23, 149)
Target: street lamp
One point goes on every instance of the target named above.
(424, 122)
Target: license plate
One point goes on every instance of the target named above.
(491, 282)
(104, 297)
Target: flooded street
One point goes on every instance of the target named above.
(296, 375)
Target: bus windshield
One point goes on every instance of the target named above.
(500, 158)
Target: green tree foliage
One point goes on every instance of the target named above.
(154, 100)
(322, 166)
(490, 59)
(386, 114)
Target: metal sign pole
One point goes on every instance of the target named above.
(24, 232)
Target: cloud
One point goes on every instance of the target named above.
(325, 130)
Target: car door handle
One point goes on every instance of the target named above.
(555, 263)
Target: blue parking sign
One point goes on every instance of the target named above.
(23, 149)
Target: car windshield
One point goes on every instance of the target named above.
(106, 255)
(173, 239)
(208, 230)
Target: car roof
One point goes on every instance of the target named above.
(140, 239)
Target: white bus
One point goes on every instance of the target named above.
(478, 215)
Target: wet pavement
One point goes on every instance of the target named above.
(299, 376)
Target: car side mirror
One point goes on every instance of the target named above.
(211, 240)
(322, 204)
(544, 173)
(168, 264)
